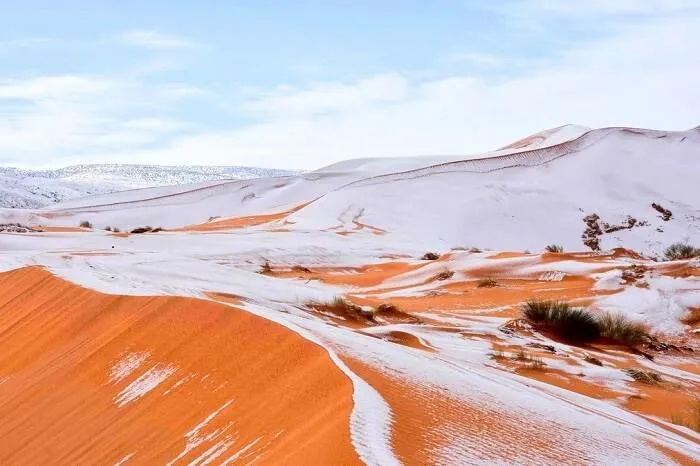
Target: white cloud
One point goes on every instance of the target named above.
(644, 76)
(156, 41)
(51, 87)
(641, 74)
(43, 118)
(324, 98)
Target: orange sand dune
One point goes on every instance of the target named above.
(242, 222)
(206, 381)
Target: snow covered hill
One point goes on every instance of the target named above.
(37, 188)
(538, 191)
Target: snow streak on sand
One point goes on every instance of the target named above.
(196, 437)
(144, 384)
(128, 364)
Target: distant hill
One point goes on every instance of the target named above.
(30, 189)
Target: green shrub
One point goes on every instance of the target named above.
(678, 251)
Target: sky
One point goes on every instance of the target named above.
(302, 84)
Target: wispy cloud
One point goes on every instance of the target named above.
(325, 98)
(156, 41)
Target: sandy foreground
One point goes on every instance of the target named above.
(127, 355)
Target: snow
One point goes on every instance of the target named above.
(196, 437)
(512, 199)
(128, 364)
(144, 384)
(21, 188)
(529, 201)
(661, 305)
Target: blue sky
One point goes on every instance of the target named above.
(306, 83)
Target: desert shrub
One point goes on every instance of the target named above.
(555, 248)
(678, 251)
(265, 268)
(648, 377)
(300, 269)
(157, 230)
(571, 323)
(116, 230)
(108, 228)
(387, 308)
(344, 309)
(593, 360)
(487, 283)
(574, 324)
(430, 256)
(617, 327)
(533, 362)
(85, 224)
(139, 230)
(444, 274)
(537, 311)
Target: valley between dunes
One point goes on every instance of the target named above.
(295, 320)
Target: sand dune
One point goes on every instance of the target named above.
(89, 378)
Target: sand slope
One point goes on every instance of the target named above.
(89, 378)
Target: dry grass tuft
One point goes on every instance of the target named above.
(690, 418)
(343, 309)
(445, 274)
(555, 248)
(570, 323)
(300, 269)
(617, 327)
(680, 251)
(265, 268)
(647, 377)
(487, 283)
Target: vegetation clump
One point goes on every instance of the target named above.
(617, 327)
(647, 377)
(445, 274)
(679, 251)
(570, 323)
(578, 324)
(690, 418)
(85, 224)
(430, 256)
(487, 283)
(554, 248)
(265, 268)
(344, 309)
